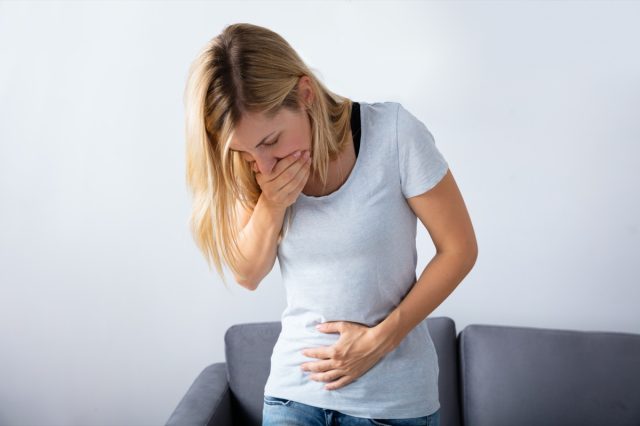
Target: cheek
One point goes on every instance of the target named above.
(250, 162)
(290, 146)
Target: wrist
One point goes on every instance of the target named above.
(274, 208)
(387, 332)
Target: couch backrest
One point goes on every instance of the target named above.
(443, 334)
(248, 349)
(531, 376)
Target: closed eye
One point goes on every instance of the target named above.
(264, 144)
(272, 143)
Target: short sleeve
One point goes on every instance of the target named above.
(421, 164)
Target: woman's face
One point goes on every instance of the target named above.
(263, 142)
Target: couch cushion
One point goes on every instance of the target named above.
(531, 376)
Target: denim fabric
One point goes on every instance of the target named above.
(285, 412)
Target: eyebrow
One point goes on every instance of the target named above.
(259, 143)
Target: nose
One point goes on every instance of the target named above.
(264, 165)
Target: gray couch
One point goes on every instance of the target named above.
(489, 376)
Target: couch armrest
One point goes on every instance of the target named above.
(207, 402)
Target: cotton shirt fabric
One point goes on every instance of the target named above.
(351, 256)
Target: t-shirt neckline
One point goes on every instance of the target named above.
(354, 171)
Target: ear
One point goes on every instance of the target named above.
(305, 91)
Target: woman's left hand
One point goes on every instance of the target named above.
(358, 349)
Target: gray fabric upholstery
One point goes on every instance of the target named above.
(443, 334)
(208, 400)
(527, 376)
(489, 375)
(248, 350)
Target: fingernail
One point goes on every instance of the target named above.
(296, 154)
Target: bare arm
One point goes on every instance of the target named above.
(443, 212)
(258, 241)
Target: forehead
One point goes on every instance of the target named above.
(253, 127)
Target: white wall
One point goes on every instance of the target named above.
(107, 310)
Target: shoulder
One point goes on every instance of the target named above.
(393, 119)
(382, 109)
(380, 118)
(391, 113)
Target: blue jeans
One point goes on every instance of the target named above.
(285, 412)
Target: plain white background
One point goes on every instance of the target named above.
(107, 310)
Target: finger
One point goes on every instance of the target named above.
(318, 366)
(290, 177)
(329, 376)
(299, 179)
(278, 169)
(321, 352)
(344, 380)
(284, 163)
(303, 179)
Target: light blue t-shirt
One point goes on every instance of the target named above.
(351, 256)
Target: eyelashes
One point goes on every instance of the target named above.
(272, 143)
(252, 162)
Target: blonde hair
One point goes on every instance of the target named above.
(246, 68)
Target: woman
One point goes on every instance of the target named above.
(279, 166)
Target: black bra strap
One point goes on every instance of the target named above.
(355, 125)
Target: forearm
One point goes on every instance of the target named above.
(258, 240)
(437, 281)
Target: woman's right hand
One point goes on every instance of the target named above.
(284, 183)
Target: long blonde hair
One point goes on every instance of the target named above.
(246, 68)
